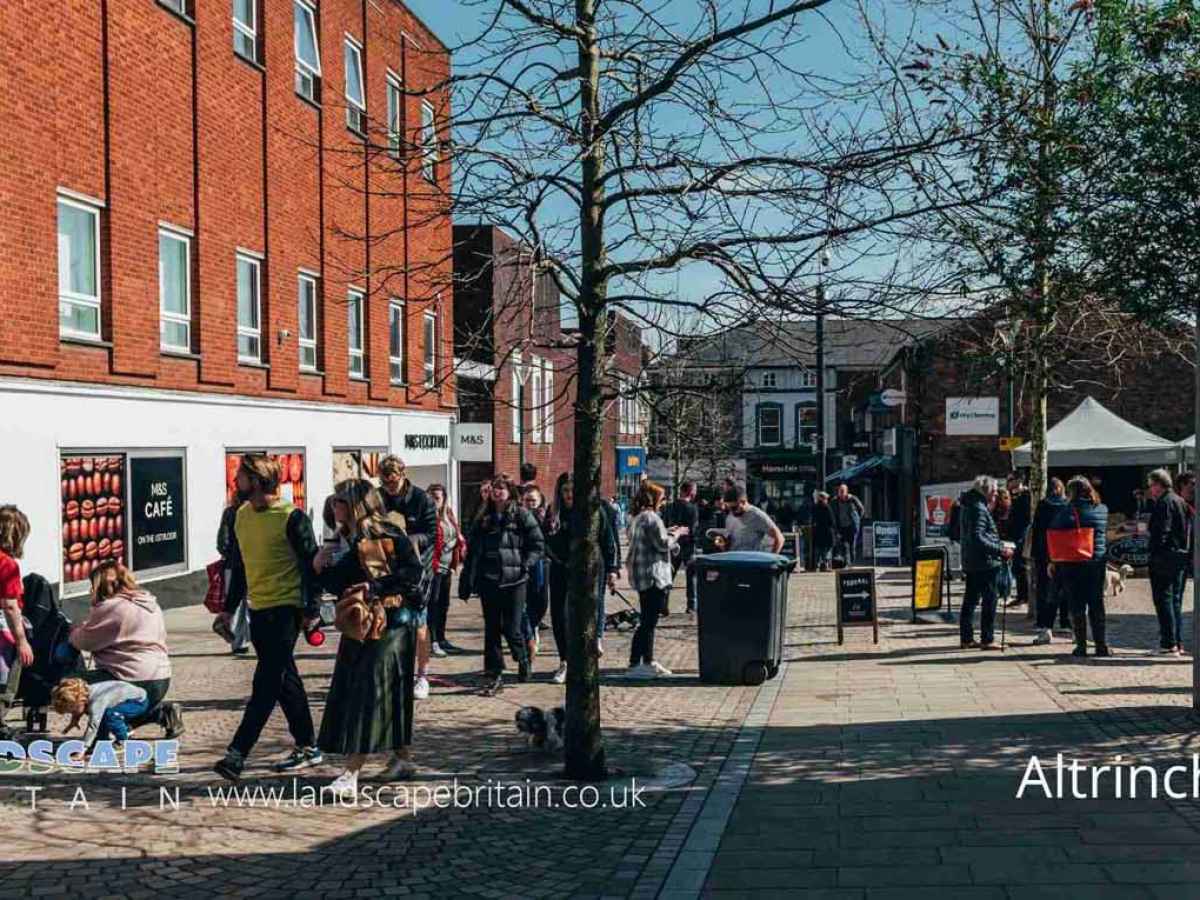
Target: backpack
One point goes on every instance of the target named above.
(954, 527)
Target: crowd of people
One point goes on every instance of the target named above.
(1057, 557)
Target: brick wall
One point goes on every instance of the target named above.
(158, 119)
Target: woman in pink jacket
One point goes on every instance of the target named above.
(127, 637)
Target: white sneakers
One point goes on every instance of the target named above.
(345, 785)
(560, 674)
(660, 669)
(421, 688)
(436, 650)
(648, 670)
(1044, 636)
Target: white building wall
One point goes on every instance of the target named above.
(43, 419)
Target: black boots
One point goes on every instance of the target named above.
(1098, 634)
(1080, 623)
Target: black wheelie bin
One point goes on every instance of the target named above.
(742, 608)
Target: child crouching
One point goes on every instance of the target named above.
(108, 705)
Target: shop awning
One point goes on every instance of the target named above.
(1091, 435)
(863, 469)
(1187, 449)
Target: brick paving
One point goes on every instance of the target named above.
(862, 771)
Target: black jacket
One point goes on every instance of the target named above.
(227, 549)
(1046, 512)
(1020, 517)
(681, 512)
(404, 565)
(981, 546)
(558, 542)
(822, 517)
(1169, 533)
(501, 549)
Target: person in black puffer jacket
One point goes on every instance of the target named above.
(982, 554)
(504, 543)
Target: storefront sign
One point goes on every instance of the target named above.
(887, 543)
(972, 415)
(782, 471)
(856, 602)
(93, 514)
(420, 440)
(157, 512)
(473, 441)
(426, 442)
(631, 460)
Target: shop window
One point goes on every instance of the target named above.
(308, 54)
(291, 473)
(356, 101)
(770, 425)
(308, 322)
(78, 269)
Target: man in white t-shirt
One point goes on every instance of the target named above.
(747, 527)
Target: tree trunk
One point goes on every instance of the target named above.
(584, 750)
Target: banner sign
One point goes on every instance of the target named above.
(972, 415)
(156, 512)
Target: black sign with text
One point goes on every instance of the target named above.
(156, 512)
(856, 601)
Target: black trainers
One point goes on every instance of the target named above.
(230, 766)
(172, 719)
(524, 669)
(300, 758)
(492, 685)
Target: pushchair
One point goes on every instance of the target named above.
(48, 629)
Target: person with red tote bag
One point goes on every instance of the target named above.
(1077, 550)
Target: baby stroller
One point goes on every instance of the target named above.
(48, 629)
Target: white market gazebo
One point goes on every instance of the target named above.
(1092, 435)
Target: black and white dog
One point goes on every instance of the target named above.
(543, 729)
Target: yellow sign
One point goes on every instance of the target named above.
(1009, 444)
(927, 588)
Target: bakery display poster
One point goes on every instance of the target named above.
(93, 514)
(291, 481)
(156, 512)
(357, 464)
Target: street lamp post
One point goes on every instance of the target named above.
(820, 340)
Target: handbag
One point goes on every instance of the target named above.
(358, 615)
(214, 597)
(1071, 545)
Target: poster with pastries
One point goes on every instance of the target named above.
(291, 478)
(357, 464)
(93, 514)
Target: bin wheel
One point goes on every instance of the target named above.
(772, 669)
(754, 673)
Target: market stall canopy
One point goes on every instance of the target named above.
(1092, 435)
(1188, 448)
(863, 469)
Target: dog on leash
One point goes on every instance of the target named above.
(1115, 578)
(543, 729)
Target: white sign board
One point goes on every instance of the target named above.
(972, 415)
(473, 442)
(892, 397)
(420, 440)
(886, 547)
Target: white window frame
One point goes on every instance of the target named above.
(808, 379)
(70, 297)
(307, 343)
(397, 307)
(760, 417)
(430, 355)
(429, 148)
(769, 380)
(356, 109)
(246, 330)
(548, 393)
(308, 79)
(536, 412)
(356, 299)
(184, 318)
(182, 7)
(395, 115)
(517, 424)
(246, 30)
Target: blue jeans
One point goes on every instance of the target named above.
(981, 589)
(1167, 587)
(116, 719)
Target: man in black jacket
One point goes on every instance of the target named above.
(683, 511)
(982, 555)
(1169, 560)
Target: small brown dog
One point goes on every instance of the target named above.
(1114, 579)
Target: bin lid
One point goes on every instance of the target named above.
(745, 559)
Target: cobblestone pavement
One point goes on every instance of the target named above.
(892, 771)
(869, 770)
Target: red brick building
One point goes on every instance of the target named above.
(508, 328)
(222, 227)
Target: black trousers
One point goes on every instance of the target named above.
(439, 606)
(557, 583)
(273, 632)
(156, 690)
(683, 561)
(652, 601)
(503, 612)
(980, 591)
(1021, 578)
(1082, 584)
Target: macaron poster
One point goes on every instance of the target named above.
(93, 514)
(291, 478)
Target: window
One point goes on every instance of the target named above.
(356, 104)
(245, 29)
(768, 379)
(78, 269)
(308, 322)
(537, 411)
(770, 425)
(430, 349)
(808, 379)
(395, 102)
(806, 424)
(354, 329)
(548, 403)
(516, 401)
(175, 291)
(183, 7)
(396, 341)
(308, 55)
(429, 150)
(249, 309)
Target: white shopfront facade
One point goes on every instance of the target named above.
(93, 466)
